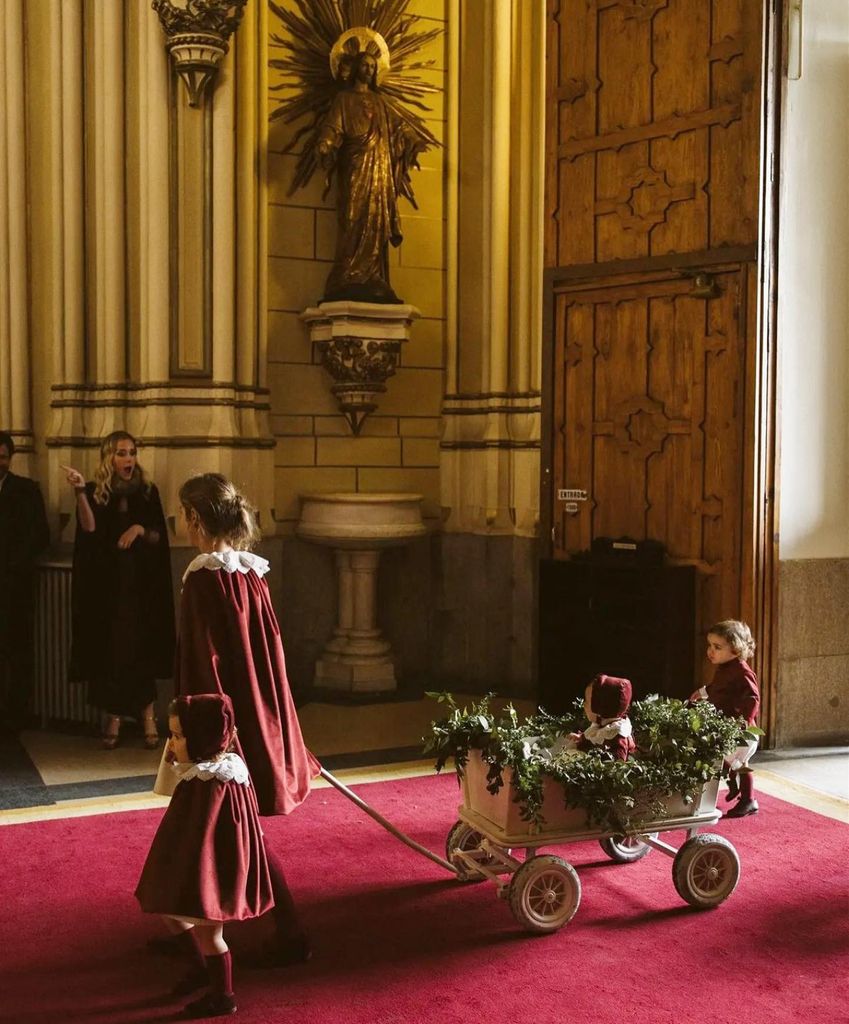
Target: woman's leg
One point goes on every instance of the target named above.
(112, 731)
(151, 733)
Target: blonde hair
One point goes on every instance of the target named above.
(224, 512)
(103, 473)
(737, 635)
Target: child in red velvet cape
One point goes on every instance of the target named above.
(207, 862)
(606, 703)
(229, 642)
(734, 691)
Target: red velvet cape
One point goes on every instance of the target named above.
(734, 690)
(207, 859)
(229, 642)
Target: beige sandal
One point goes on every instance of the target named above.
(111, 735)
(151, 733)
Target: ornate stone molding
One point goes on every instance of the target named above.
(198, 31)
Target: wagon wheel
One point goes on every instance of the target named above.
(464, 837)
(626, 849)
(706, 870)
(545, 893)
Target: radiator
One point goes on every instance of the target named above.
(54, 697)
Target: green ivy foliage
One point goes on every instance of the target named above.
(680, 747)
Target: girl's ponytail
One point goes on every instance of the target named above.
(222, 510)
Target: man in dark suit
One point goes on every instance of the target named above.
(24, 534)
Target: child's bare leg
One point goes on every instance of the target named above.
(183, 937)
(176, 927)
(219, 1000)
(210, 939)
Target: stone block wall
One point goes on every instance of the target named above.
(813, 652)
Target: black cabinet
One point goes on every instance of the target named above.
(626, 620)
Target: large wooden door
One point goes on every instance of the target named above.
(657, 381)
(649, 394)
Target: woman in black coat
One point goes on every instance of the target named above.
(123, 606)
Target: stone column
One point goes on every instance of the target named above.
(15, 410)
(151, 243)
(105, 197)
(490, 447)
(345, 605)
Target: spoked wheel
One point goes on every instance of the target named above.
(706, 870)
(545, 893)
(626, 849)
(464, 837)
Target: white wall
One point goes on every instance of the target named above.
(813, 305)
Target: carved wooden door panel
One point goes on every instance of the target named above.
(653, 130)
(648, 408)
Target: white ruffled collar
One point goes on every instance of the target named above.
(598, 734)
(228, 560)
(229, 768)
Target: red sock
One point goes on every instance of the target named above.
(220, 968)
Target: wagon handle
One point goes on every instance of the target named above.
(352, 796)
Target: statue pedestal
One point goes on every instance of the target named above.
(359, 344)
(357, 659)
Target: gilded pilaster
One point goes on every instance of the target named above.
(147, 248)
(15, 409)
(105, 196)
(490, 446)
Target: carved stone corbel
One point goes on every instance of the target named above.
(198, 31)
(359, 344)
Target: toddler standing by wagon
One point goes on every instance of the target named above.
(734, 691)
(207, 863)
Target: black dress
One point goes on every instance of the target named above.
(24, 534)
(123, 605)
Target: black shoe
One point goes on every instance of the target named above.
(209, 1005)
(743, 808)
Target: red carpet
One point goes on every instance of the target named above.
(397, 941)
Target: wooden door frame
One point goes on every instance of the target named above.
(760, 489)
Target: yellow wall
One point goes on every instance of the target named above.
(398, 448)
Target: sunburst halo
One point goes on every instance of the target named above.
(312, 35)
